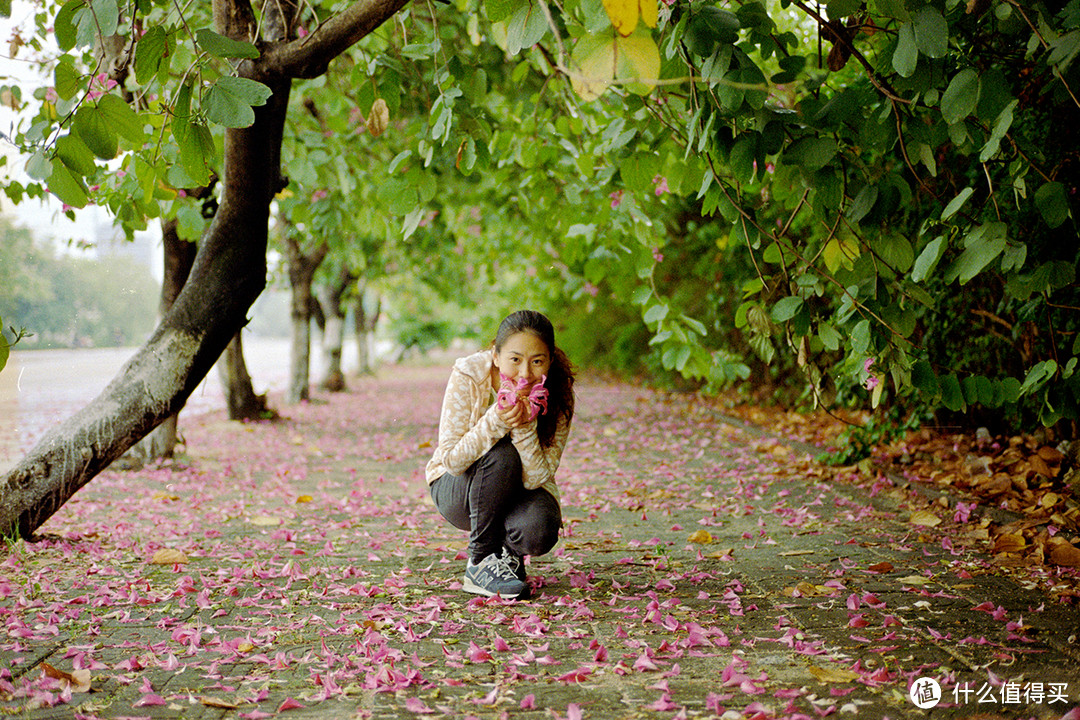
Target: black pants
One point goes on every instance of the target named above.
(491, 503)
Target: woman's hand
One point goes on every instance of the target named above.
(515, 416)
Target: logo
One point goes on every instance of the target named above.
(925, 693)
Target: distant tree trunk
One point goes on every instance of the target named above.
(302, 267)
(330, 297)
(228, 275)
(240, 397)
(366, 311)
(179, 257)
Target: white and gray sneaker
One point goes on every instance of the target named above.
(493, 576)
(516, 564)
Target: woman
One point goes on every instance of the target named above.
(504, 423)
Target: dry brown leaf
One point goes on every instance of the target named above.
(217, 703)
(925, 518)
(1051, 454)
(1039, 465)
(79, 680)
(1062, 552)
(1009, 543)
(807, 589)
(833, 675)
(379, 118)
(701, 537)
(881, 567)
(169, 556)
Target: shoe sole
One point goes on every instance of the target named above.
(470, 587)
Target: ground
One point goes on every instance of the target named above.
(708, 568)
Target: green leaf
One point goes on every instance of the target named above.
(924, 379)
(812, 153)
(863, 203)
(928, 259)
(66, 186)
(956, 203)
(66, 78)
(743, 155)
(64, 24)
(149, 52)
(952, 396)
(5, 349)
(961, 97)
(499, 10)
(860, 337)
(656, 313)
(896, 251)
(842, 8)
(982, 245)
(73, 152)
(197, 151)
(229, 101)
(38, 166)
(1064, 49)
(93, 127)
(786, 308)
(224, 47)
(122, 118)
(1053, 203)
(830, 338)
(931, 31)
(525, 28)
(1001, 127)
(906, 56)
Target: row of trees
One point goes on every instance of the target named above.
(874, 199)
(71, 301)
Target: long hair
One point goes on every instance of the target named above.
(560, 378)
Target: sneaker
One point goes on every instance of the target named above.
(493, 576)
(516, 564)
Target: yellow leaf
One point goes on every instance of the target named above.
(245, 646)
(840, 253)
(169, 556)
(925, 518)
(701, 537)
(265, 520)
(592, 66)
(304, 499)
(623, 15)
(650, 11)
(833, 675)
(637, 63)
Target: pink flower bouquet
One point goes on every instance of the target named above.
(510, 392)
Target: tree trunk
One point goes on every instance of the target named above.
(302, 267)
(240, 397)
(179, 257)
(330, 297)
(228, 275)
(366, 312)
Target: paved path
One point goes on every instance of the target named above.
(706, 570)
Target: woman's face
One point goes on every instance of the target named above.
(523, 355)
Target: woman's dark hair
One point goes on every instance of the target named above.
(560, 378)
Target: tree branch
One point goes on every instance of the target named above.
(309, 57)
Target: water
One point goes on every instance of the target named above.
(40, 388)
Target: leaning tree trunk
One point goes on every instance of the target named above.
(302, 267)
(330, 297)
(365, 319)
(228, 275)
(179, 258)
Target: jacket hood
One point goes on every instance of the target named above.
(477, 366)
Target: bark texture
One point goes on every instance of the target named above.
(227, 276)
(302, 267)
(331, 298)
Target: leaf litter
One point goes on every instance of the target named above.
(705, 570)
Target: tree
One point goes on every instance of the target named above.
(229, 269)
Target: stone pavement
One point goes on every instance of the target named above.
(707, 570)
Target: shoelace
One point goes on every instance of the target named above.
(502, 569)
